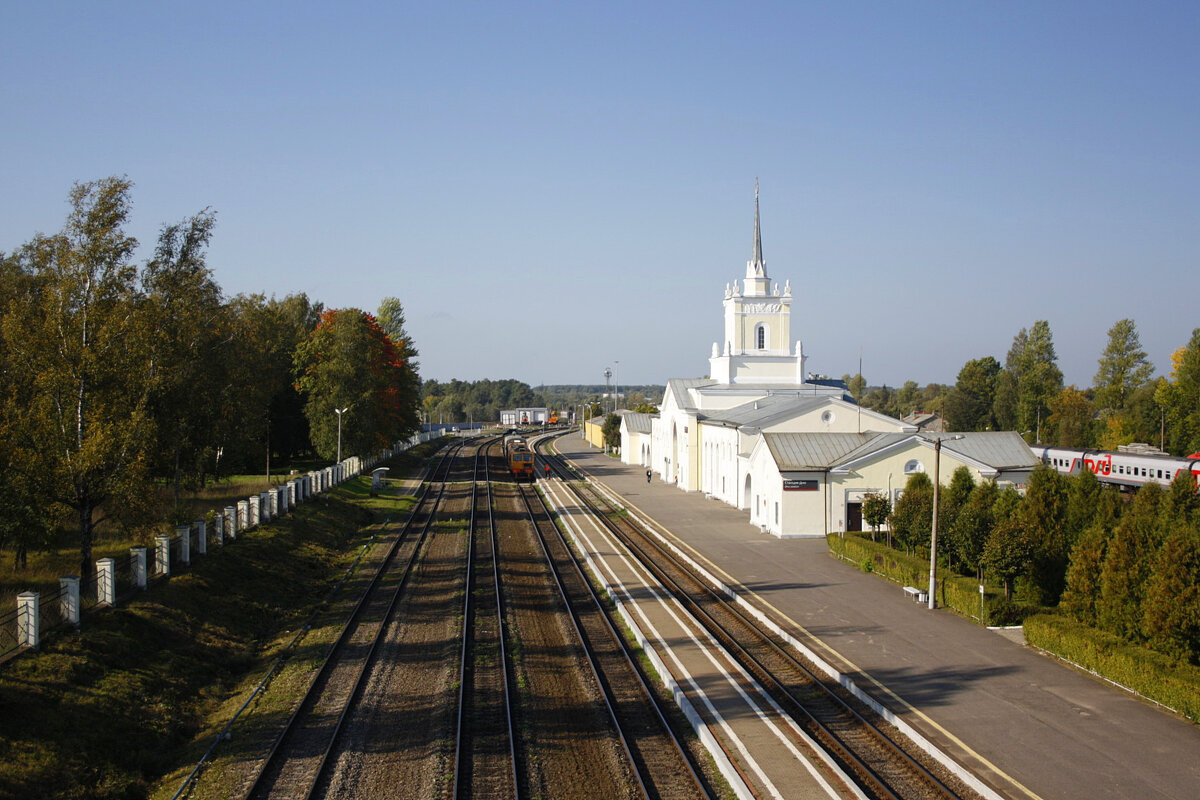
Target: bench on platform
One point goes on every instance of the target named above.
(916, 594)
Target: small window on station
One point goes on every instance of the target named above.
(913, 466)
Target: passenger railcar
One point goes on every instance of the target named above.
(1129, 470)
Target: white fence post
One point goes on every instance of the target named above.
(252, 503)
(28, 619)
(69, 603)
(201, 536)
(219, 528)
(185, 543)
(106, 581)
(231, 522)
(243, 518)
(137, 566)
(162, 554)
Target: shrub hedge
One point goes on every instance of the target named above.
(955, 591)
(1146, 672)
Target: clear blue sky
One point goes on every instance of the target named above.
(553, 188)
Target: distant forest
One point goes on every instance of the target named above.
(482, 401)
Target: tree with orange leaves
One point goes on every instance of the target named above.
(350, 363)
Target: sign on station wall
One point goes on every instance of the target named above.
(805, 485)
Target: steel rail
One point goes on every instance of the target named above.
(272, 764)
(467, 664)
(842, 750)
(587, 651)
(614, 632)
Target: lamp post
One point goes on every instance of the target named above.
(937, 483)
(339, 412)
(616, 386)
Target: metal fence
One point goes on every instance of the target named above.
(9, 643)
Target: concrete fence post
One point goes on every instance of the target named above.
(243, 518)
(252, 503)
(201, 527)
(162, 554)
(28, 619)
(137, 566)
(231, 521)
(106, 581)
(219, 529)
(285, 498)
(273, 502)
(69, 602)
(184, 532)
(264, 507)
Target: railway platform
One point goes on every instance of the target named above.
(1026, 725)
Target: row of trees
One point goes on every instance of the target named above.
(474, 401)
(1132, 569)
(1026, 393)
(119, 378)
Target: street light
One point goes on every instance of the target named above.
(339, 412)
(616, 386)
(937, 483)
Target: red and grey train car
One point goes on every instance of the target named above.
(1128, 470)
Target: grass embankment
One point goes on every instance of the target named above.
(106, 711)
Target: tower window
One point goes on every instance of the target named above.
(760, 337)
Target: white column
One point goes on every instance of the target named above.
(106, 581)
(162, 555)
(184, 532)
(70, 599)
(252, 521)
(137, 566)
(219, 528)
(273, 496)
(243, 516)
(282, 491)
(201, 527)
(264, 507)
(28, 619)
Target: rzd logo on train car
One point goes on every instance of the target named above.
(1099, 466)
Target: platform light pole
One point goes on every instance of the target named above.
(608, 385)
(937, 483)
(616, 386)
(339, 412)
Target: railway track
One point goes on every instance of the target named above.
(661, 765)
(485, 757)
(300, 757)
(879, 766)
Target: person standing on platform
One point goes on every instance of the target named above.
(647, 476)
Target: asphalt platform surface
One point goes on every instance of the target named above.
(1027, 725)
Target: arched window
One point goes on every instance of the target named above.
(760, 337)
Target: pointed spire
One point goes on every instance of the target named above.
(757, 258)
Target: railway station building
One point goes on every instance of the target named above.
(791, 448)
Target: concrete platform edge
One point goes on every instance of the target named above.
(848, 683)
